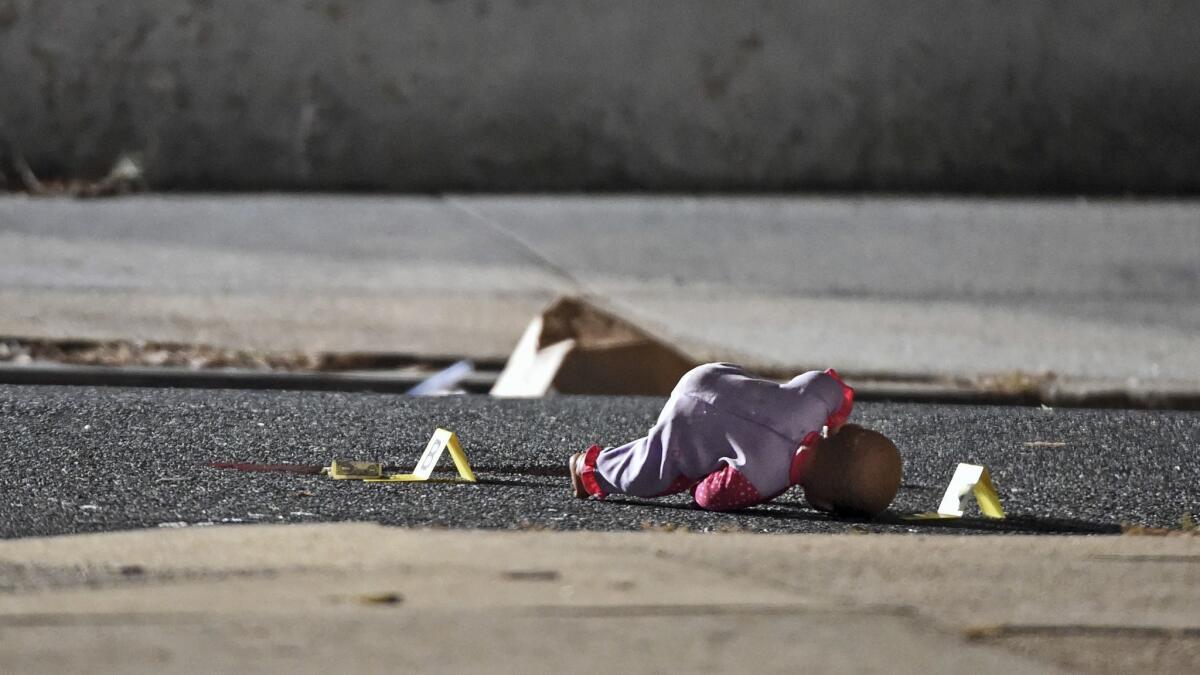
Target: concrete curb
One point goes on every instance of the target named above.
(930, 605)
(930, 390)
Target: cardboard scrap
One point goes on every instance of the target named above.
(575, 347)
(445, 381)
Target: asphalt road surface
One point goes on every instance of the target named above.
(98, 459)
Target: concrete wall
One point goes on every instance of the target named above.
(975, 95)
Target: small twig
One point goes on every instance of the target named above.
(28, 178)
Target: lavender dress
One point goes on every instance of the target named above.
(731, 435)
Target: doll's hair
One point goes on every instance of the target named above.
(870, 471)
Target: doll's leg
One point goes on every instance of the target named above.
(588, 487)
(639, 468)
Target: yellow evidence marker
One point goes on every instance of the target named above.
(970, 481)
(441, 440)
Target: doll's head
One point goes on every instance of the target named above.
(856, 472)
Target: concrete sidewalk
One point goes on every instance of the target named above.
(355, 598)
(1104, 290)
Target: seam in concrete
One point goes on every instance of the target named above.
(527, 247)
(984, 632)
(685, 609)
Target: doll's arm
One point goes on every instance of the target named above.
(726, 490)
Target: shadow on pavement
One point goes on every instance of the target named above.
(792, 510)
(524, 470)
(1011, 524)
(480, 480)
(1019, 524)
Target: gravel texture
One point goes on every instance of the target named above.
(98, 459)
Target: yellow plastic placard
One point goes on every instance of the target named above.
(970, 481)
(986, 497)
(441, 440)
